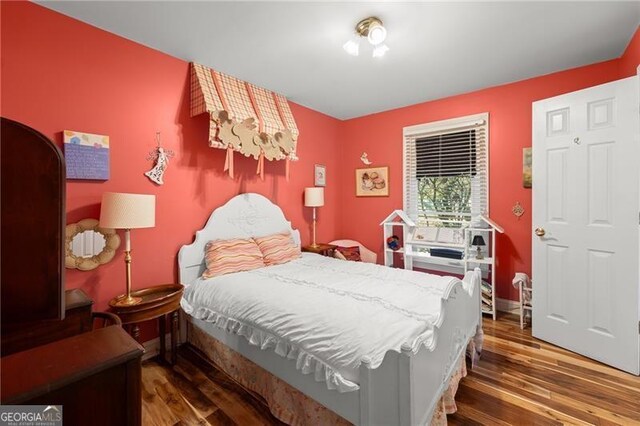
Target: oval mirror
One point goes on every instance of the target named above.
(88, 245)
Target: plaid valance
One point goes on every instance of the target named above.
(243, 117)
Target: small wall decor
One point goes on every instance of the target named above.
(365, 159)
(517, 210)
(372, 182)
(88, 246)
(527, 177)
(320, 175)
(86, 155)
(161, 157)
(243, 117)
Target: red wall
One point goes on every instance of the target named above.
(631, 58)
(59, 73)
(509, 108)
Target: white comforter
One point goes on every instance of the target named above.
(327, 314)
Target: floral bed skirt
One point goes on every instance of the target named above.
(287, 403)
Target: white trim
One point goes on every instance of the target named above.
(506, 305)
(405, 207)
(451, 123)
(436, 127)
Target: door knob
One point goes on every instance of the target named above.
(540, 232)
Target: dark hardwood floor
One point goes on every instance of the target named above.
(519, 381)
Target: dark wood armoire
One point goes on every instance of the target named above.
(52, 354)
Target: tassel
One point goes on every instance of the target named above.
(286, 168)
(260, 170)
(228, 162)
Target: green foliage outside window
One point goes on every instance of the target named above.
(449, 196)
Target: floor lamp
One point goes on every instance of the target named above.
(127, 211)
(314, 197)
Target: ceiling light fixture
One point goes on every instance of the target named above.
(372, 29)
(352, 47)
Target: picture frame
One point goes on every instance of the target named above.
(527, 176)
(372, 182)
(86, 155)
(320, 175)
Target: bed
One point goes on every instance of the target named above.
(375, 345)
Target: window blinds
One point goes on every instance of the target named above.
(449, 158)
(446, 155)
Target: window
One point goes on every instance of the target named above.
(446, 171)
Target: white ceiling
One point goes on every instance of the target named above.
(437, 49)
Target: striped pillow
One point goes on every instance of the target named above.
(228, 256)
(278, 248)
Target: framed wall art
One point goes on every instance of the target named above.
(320, 175)
(372, 182)
(86, 155)
(527, 177)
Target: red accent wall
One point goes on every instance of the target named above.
(630, 59)
(59, 73)
(509, 108)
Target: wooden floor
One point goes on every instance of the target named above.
(519, 381)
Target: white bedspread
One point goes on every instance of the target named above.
(327, 314)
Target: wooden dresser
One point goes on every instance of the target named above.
(51, 352)
(95, 376)
(77, 319)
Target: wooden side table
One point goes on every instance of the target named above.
(321, 248)
(157, 302)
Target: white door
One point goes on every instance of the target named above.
(586, 172)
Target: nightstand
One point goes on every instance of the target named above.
(157, 302)
(321, 248)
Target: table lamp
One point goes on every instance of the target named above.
(127, 211)
(478, 241)
(314, 197)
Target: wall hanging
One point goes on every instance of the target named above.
(161, 156)
(527, 177)
(365, 159)
(372, 182)
(320, 175)
(243, 117)
(87, 245)
(86, 155)
(517, 210)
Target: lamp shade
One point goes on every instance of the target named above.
(127, 211)
(314, 197)
(478, 240)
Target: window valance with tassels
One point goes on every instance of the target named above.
(244, 118)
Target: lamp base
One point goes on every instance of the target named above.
(126, 300)
(314, 245)
(479, 255)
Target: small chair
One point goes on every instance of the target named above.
(523, 283)
(105, 319)
(365, 254)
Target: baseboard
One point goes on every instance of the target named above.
(152, 347)
(506, 305)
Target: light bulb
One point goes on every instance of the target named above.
(380, 50)
(377, 34)
(352, 47)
